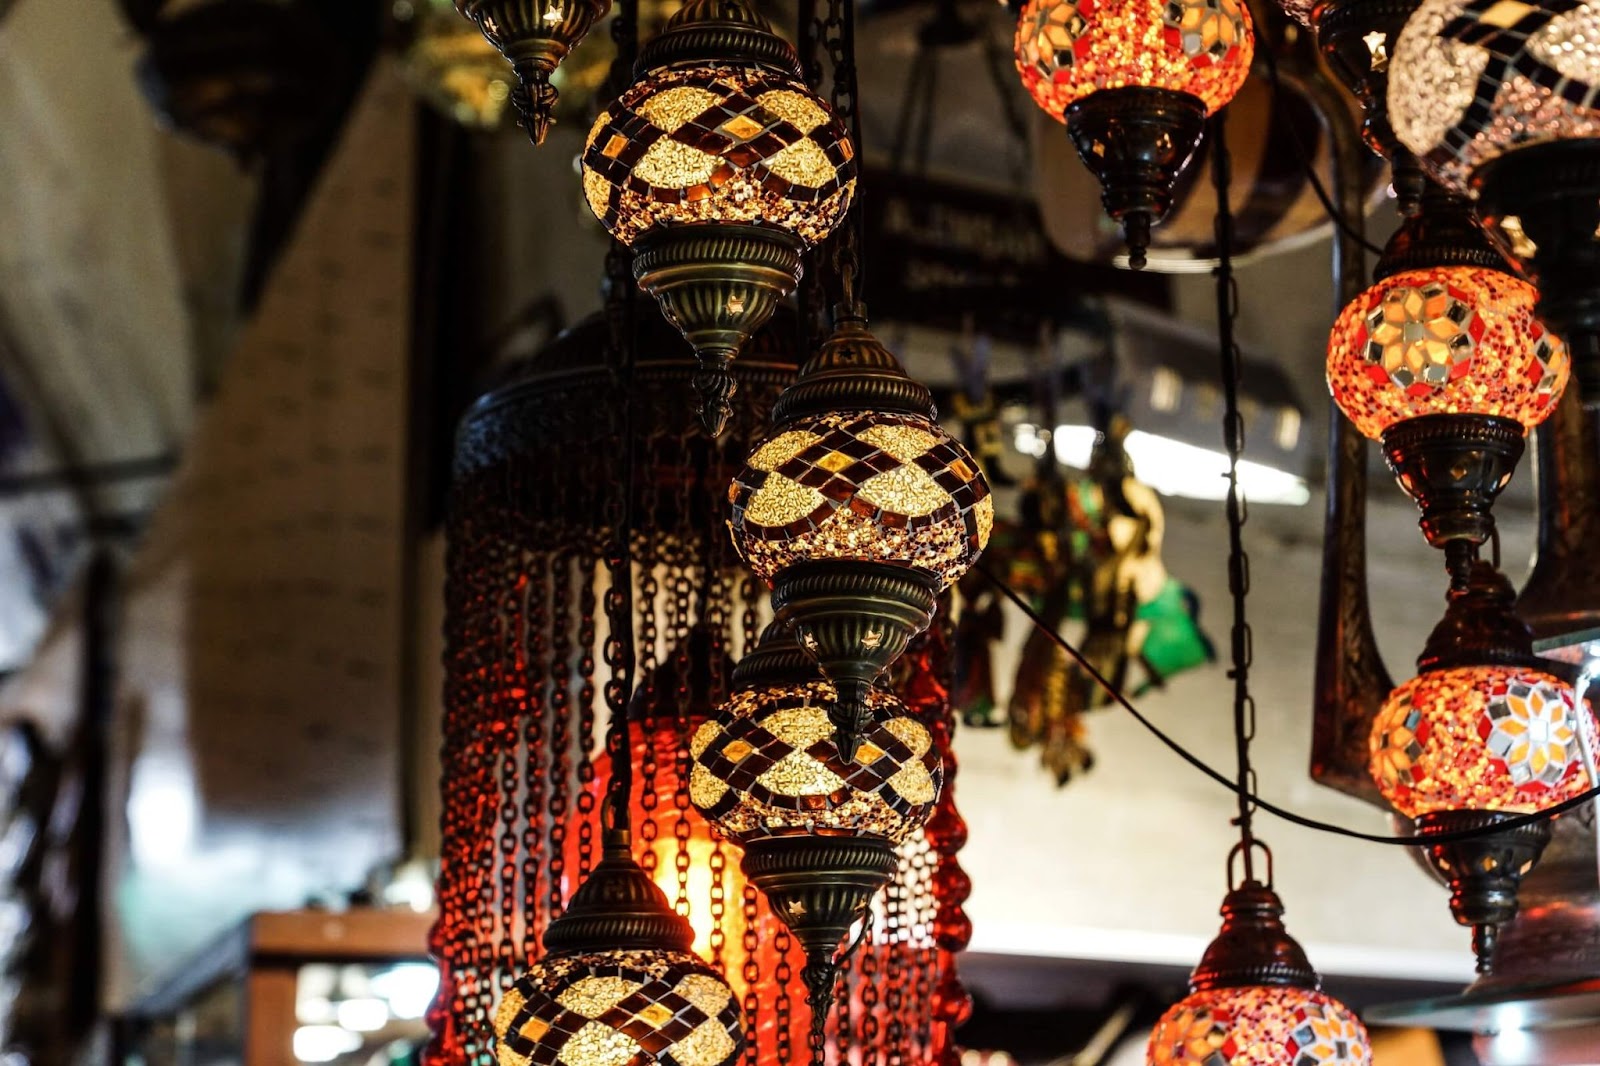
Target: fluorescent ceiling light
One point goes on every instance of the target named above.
(1172, 467)
(366, 1015)
(409, 988)
(324, 1043)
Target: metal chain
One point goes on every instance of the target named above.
(584, 797)
(783, 976)
(533, 734)
(751, 973)
(1242, 642)
(838, 35)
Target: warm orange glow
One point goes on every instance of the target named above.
(1259, 1026)
(1067, 49)
(1451, 340)
(1495, 738)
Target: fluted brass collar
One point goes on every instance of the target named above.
(618, 908)
(777, 660)
(718, 31)
(853, 371)
(1441, 234)
(1480, 627)
(1253, 947)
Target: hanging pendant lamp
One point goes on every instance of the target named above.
(535, 36)
(818, 827)
(719, 166)
(859, 509)
(1255, 999)
(1134, 81)
(618, 983)
(1443, 361)
(1483, 733)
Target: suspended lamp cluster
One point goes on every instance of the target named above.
(720, 167)
(524, 783)
(859, 510)
(1499, 101)
(1134, 81)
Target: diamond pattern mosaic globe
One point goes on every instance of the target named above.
(619, 1008)
(719, 144)
(768, 765)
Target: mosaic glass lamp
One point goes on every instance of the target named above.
(618, 985)
(1357, 39)
(1254, 1000)
(1500, 99)
(1483, 733)
(818, 827)
(535, 36)
(1134, 80)
(858, 509)
(1443, 361)
(719, 166)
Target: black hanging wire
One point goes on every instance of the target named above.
(1231, 783)
(1242, 644)
(812, 319)
(1243, 784)
(1307, 164)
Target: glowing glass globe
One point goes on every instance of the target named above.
(1067, 49)
(1485, 738)
(865, 486)
(1470, 80)
(1259, 1026)
(613, 1008)
(767, 765)
(1452, 340)
(730, 144)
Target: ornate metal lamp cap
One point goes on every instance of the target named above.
(618, 908)
(777, 660)
(853, 371)
(1253, 947)
(1480, 627)
(1442, 233)
(718, 31)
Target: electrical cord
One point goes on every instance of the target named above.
(1309, 166)
(1233, 786)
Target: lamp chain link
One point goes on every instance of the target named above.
(1233, 433)
(837, 34)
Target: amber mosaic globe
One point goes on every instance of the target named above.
(1067, 49)
(1470, 80)
(1259, 1026)
(619, 1008)
(864, 486)
(1484, 738)
(731, 144)
(1452, 340)
(767, 765)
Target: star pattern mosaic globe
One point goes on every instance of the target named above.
(619, 1008)
(767, 765)
(1067, 49)
(1451, 340)
(1259, 1026)
(1470, 80)
(866, 486)
(719, 144)
(1494, 738)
